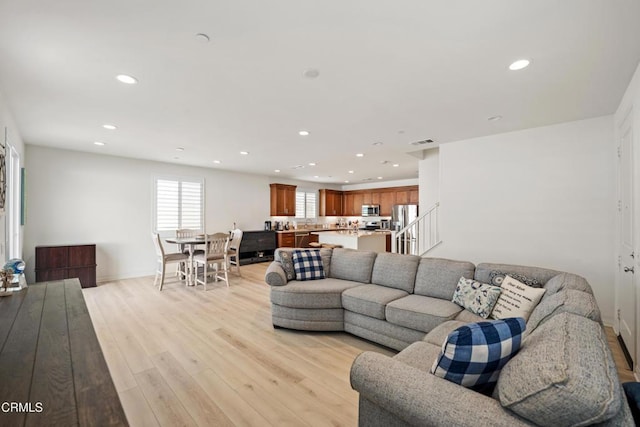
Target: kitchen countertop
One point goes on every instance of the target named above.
(349, 233)
(304, 230)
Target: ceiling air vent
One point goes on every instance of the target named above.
(423, 142)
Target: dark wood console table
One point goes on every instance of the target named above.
(50, 359)
(67, 262)
(257, 246)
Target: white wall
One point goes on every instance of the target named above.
(14, 139)
(429, 171)
(76, 197)
(543, 197)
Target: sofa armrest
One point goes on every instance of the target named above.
(275, 275)
(420, 398)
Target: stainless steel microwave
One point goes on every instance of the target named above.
(370, 210)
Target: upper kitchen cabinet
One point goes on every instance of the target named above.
(330, 203)
(283, 200)
(387, 200)
(353, 201)
(407, 195)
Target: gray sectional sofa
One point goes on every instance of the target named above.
(564, 373)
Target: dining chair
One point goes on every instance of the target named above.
(233, 254)
(165, 258)
(214, 256)
(183, 268)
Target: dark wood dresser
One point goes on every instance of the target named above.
(52, 368)
(66, 262)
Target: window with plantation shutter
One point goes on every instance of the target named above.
(179, 203)
(305, 204)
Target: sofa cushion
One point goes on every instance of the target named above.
(419, 355)
(473, 354)
(442, 331)
(326, 293)
(349, 264)
(567, 281)
(395, 271)
(370, 300)
(468, 317)
(420, 313)
(563, 375)
(479, 298)
(568, 300)
(284, 256)
(307, 264)
(542, 275)
(516, 300)
(438, 277)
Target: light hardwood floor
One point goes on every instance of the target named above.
(184, 356)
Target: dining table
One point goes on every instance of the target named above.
(190, 243)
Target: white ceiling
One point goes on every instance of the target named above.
(390, 71)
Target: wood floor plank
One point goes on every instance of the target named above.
(195, 400)
(139, 413)
(185, 355)
(165, 405)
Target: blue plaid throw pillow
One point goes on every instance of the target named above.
(474, 354)
(307, 264)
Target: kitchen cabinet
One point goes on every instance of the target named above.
(330, 202)
(357, 204)
(414, 197)
(347, 209)
(283, 200)
(402, 197)
(387, 200)
(286, 240)
(66, 262)
(366, 198)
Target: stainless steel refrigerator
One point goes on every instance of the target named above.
(402, 216)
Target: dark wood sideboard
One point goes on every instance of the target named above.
(51, 363)
(66, 262)
(257, 246)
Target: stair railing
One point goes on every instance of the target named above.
(419, 236)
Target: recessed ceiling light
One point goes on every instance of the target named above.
(519, 64)
(379, 177)
(244, 153)
(123, 78)
(494, 118)
(217, 162)
(277, 171)
(202, 37)
(311, 73)
(360, 155)
(303, 133)
(350, 171)
(110, 127)
(99, 143)
(395, 165)
(312, 164)
(346, 181)
(384, 162)
(179, 149)
(316, 176)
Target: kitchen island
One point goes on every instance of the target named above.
(361, 240)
